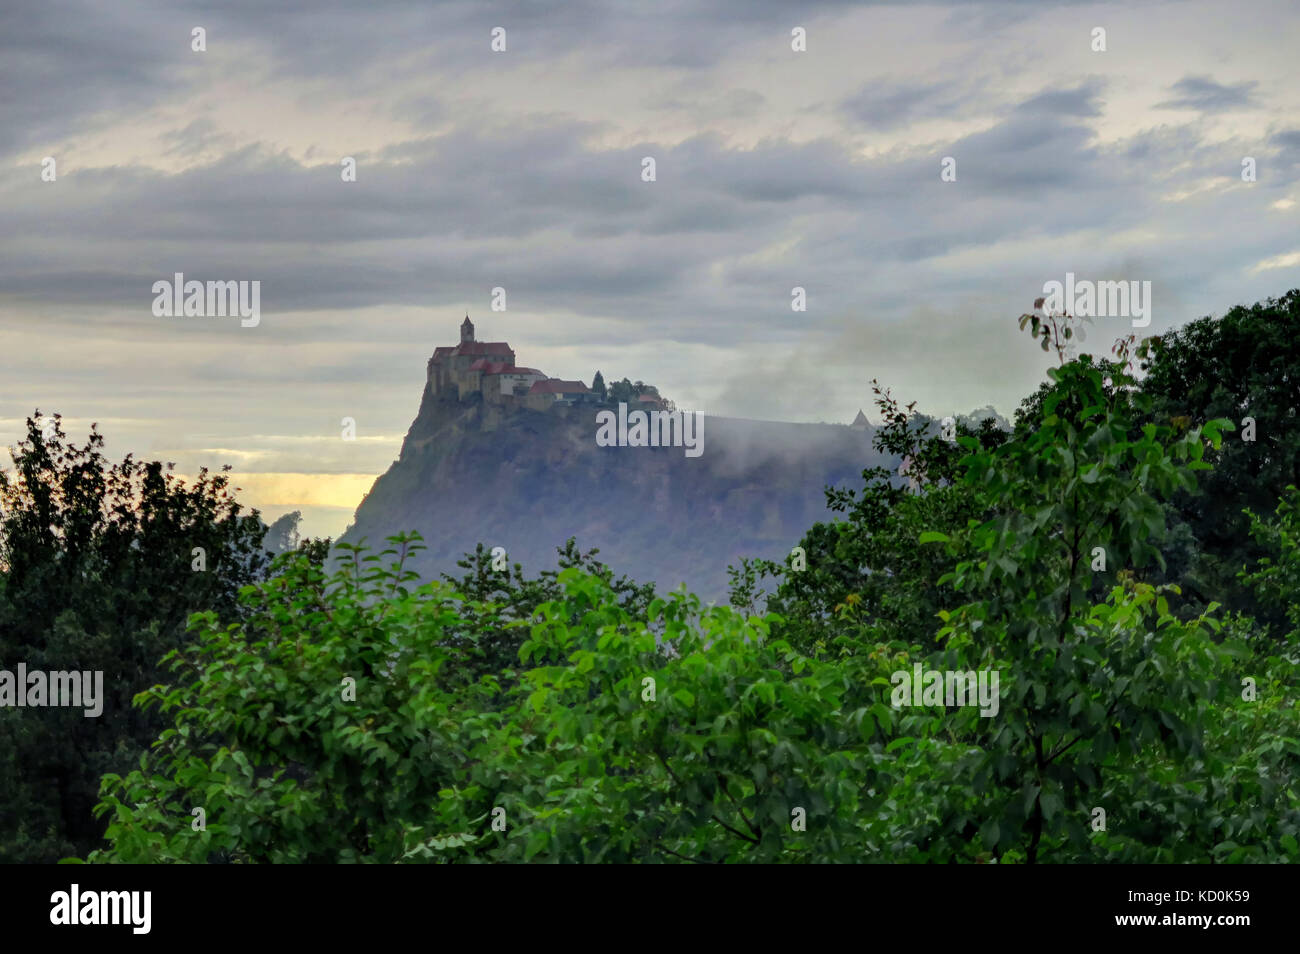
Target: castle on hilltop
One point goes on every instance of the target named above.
(488, 368)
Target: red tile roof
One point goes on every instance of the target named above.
(483, 348)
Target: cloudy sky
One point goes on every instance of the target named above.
(522, 169)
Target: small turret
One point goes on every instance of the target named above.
(466, 331)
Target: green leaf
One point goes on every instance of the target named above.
(991, 832)
(1051, 805)
(1031, 793)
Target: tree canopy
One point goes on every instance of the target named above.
(101, 566)
(361, 715)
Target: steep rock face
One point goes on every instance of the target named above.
(527, 480)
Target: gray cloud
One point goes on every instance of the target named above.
(198, 136)
(1204, 94)
(882, 104)
(444, 219)
(524, 172)
(71, 67)
(1082, 101)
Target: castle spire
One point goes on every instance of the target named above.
(466, 331)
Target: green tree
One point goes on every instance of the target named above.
(1236, 367)
(1087, 687)
(500, 602)
(98, 572)
(413, 764)
(869, 560)
(665, 731)
(622, 392)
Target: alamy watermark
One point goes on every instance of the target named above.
(946, 687)
(75, 907)
(651, 429)
(1089, 299)
(77, 690)
(182, 299)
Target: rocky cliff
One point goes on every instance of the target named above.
(526, 480)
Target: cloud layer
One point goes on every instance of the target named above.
(522, 169)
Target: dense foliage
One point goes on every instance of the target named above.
(1237, 367)
(98, 575)
(101, 566)
(357, 715)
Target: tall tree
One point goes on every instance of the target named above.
(867, 561)
(100, 566)
(1237, 367)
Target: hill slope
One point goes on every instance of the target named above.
(529, 480)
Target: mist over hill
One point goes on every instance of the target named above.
(527, 480)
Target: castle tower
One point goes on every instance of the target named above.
(466, 331)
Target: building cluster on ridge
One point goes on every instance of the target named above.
(488, 368)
